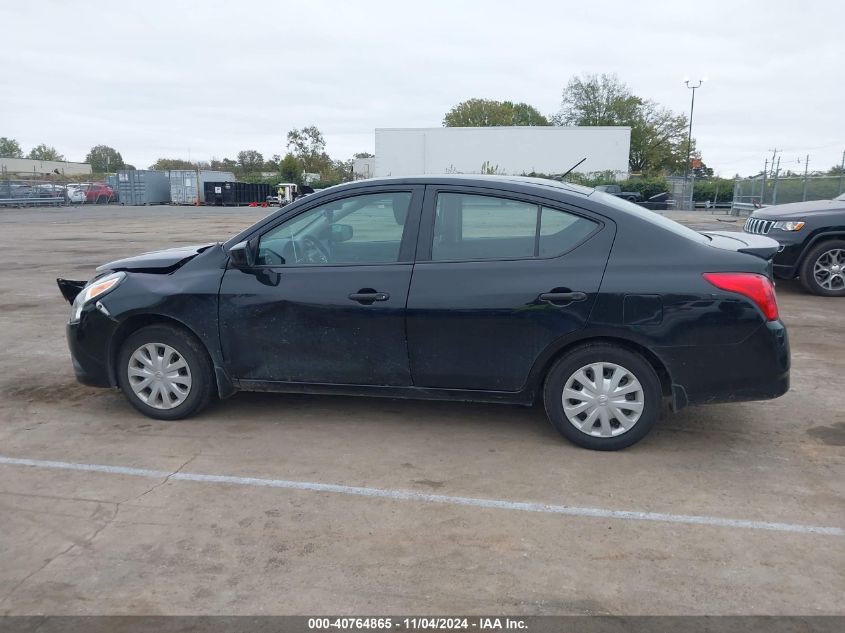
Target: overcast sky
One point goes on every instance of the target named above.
(181, 79)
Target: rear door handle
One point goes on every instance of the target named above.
(367, 297)
(560, 298)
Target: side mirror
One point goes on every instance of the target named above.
(341, 233)
(242, 255)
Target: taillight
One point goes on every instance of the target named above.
(756, 287)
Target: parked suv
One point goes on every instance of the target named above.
(812, 242)
(97, 193)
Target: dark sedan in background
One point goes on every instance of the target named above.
(812, 242)
(498, 289)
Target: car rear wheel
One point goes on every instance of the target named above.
(165, 372)
(602, 397)
(823, 270)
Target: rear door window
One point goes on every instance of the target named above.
(473, 227)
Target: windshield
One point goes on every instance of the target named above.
(649, 216)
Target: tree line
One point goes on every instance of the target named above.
(306, 154)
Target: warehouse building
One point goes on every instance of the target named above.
(20, 166)
(501, 150)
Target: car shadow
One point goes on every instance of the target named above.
(717, 426)
(338, 409)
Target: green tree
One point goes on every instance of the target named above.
(103, 158)
(487, 112)
(10, 148)
(290, 169)
(166, 164)
(363, 155)
(43, 152)
(308, 147)
(658, 140)
(658, 135)
(273, 163)
(250, 161)
(227, 164)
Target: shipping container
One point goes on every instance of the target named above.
(111, 181)
(235, 193)
(143, 186)
(183, 184)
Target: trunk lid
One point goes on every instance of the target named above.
(757, 245)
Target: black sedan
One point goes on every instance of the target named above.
(812, 242)
(496, 289)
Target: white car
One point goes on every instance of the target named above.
(75, 195)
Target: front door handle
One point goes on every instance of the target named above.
(368, 296)
(560, 298)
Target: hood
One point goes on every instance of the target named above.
(796, 209)
(165, 261)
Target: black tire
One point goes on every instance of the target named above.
(806, 272)
(198, 364)
(590, 353)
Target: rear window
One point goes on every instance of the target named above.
(650, 216)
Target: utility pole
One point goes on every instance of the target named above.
(806, 167)
(841, 172)
(692, 87)
(765, 175)
(775, 188)
(774, 157)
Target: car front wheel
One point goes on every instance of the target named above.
(165, 372)
(823, 270)
(602, 397)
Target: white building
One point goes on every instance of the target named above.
(502, 150)
(363, 168)
(20, 166)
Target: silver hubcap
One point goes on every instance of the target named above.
(603, 400)
(829, 269)
(159, 375)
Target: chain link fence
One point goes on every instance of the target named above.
(751, 193)
(40, 192)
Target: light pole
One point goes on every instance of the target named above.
(692, 86)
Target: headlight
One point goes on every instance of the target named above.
(94, 290)
(790, 225)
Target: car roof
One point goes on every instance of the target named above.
(474, 180)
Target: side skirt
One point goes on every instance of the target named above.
(411, 393)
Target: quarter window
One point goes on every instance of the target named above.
(489, 227)
(561, 231)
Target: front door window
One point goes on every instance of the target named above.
(363, 229)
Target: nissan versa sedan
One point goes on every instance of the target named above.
(494, 289)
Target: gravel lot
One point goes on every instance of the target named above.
(83, 542)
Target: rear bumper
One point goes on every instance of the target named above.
(755, 369)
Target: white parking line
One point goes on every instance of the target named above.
(408, 495)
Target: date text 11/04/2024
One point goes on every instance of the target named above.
(418, 624)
